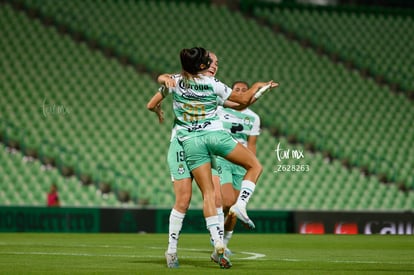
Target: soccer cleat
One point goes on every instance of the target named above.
(215, 257)
(242, 215)
(172, 260)
(223, 260)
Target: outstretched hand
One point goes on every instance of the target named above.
(267, 86)
(273, 84)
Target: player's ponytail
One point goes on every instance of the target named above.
(194, 60)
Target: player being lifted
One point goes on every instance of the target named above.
(244, 126)
(200, 132)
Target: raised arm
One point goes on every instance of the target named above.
(154, 105)
(240, 101)
(238, 106)
(166, 80)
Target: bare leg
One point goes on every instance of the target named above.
(203, 177)
(183, 191)
(244, 157)
(217, 190)
(229, 198)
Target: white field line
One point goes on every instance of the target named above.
(252, 256)
(77, 254)
(343, 261)
(72, 245)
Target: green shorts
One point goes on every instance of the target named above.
(177, 164)
(230, 173)
(201, 149)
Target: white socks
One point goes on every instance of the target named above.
(246, 191)
(227, 236)
(215, 224)
(216, 231)
(176, 223)
(220, 215)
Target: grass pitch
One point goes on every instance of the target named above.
(43, 253)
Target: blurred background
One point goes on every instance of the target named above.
(76, 77)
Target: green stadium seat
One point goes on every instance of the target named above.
(318, 101)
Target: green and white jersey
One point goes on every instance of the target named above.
(240, 124)
(195, 105)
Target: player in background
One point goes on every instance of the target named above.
(180, 174)
(200, 132)
(244, 126)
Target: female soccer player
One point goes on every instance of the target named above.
(201, 133)
(180, 174)
(244, 126)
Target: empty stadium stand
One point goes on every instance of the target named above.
(77, 76)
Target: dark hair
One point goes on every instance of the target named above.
(240, 81)
(195, 60)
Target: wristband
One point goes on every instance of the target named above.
(262, 91)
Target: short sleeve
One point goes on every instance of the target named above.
(220, 101)
(256, 125)
(222, 90)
